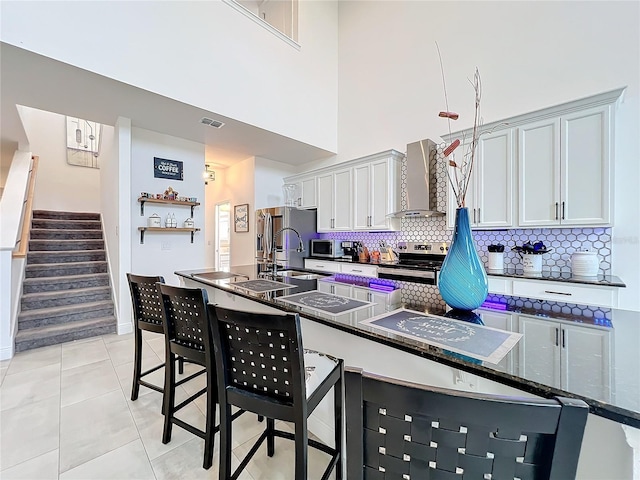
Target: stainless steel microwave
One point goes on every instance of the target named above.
(326, 248)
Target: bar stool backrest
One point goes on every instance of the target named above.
(261, 354)
(145, 298)
(398, 429)
(187, 322)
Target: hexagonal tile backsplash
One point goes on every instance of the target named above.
(563, 241)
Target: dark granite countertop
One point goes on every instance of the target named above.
(600, 363)
(512, 272)
(602, 280)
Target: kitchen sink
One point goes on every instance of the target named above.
(297, 274)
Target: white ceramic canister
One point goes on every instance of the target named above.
(496, 261)
(532, 263)
(585, 264)
(154, 221)
(188, 223)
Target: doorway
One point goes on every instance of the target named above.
(223, 236)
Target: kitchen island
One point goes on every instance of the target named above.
(590, 353)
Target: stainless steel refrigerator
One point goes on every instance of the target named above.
(270, 221)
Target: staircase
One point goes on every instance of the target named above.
(65, 294)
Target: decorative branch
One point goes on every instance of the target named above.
(461, 176)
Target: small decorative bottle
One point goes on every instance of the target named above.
(167, 222)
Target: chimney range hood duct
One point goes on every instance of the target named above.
(421, 181)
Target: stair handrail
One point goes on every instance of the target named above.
(23, 242)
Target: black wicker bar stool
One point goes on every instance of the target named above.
(401, 430)
(188, 334)
(262, 368)
(147, 315)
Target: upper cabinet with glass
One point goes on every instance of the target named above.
(278, 16)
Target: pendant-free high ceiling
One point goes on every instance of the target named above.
(40, 82)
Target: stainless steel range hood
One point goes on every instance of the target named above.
(421, 181)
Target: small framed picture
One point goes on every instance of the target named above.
(241, 218)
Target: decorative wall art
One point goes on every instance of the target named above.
(241, 218)
(163, 168)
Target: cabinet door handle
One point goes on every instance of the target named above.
(299, 201)
(356, 270)
(478, 215)
(556, 329)
(562, 210)
(474, 215)
(563, 337)
(556, 210)
(558, 293)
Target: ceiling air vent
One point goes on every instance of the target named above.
(211, 122)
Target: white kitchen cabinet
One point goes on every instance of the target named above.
(589, 356)
(376, 194)
(306, 193)
(499, 285)
(334, 201)
(550, 348)
(470, 198)
(539, 354)
(539, 173)
(566, 292)
(583, 294)
(494, 180)
(508, 322)
(305, 190)
(359, 269)
(341, 267)
(334, 288)
(490, 193)
(383, 301)
(321, 265)
(565, 169)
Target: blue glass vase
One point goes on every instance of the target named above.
(463, 280)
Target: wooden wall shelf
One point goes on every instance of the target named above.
(144, 200)
(166, 230)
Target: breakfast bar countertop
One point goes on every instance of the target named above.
(597, 350)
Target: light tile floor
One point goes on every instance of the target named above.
(66, 413)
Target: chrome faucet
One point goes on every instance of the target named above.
(275, 235)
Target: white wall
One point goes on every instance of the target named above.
(530, 55)
(114, 163)
(268, 182)
(212, 194)
(236, 185)
(60, 186)
(234, 67)
(164, 253)
(11, 269)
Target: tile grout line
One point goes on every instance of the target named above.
(122, 388)
(60, 418)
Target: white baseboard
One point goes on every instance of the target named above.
(320, 429)
(7, 352)
(124, 328)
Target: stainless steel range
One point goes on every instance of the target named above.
(417, 262)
